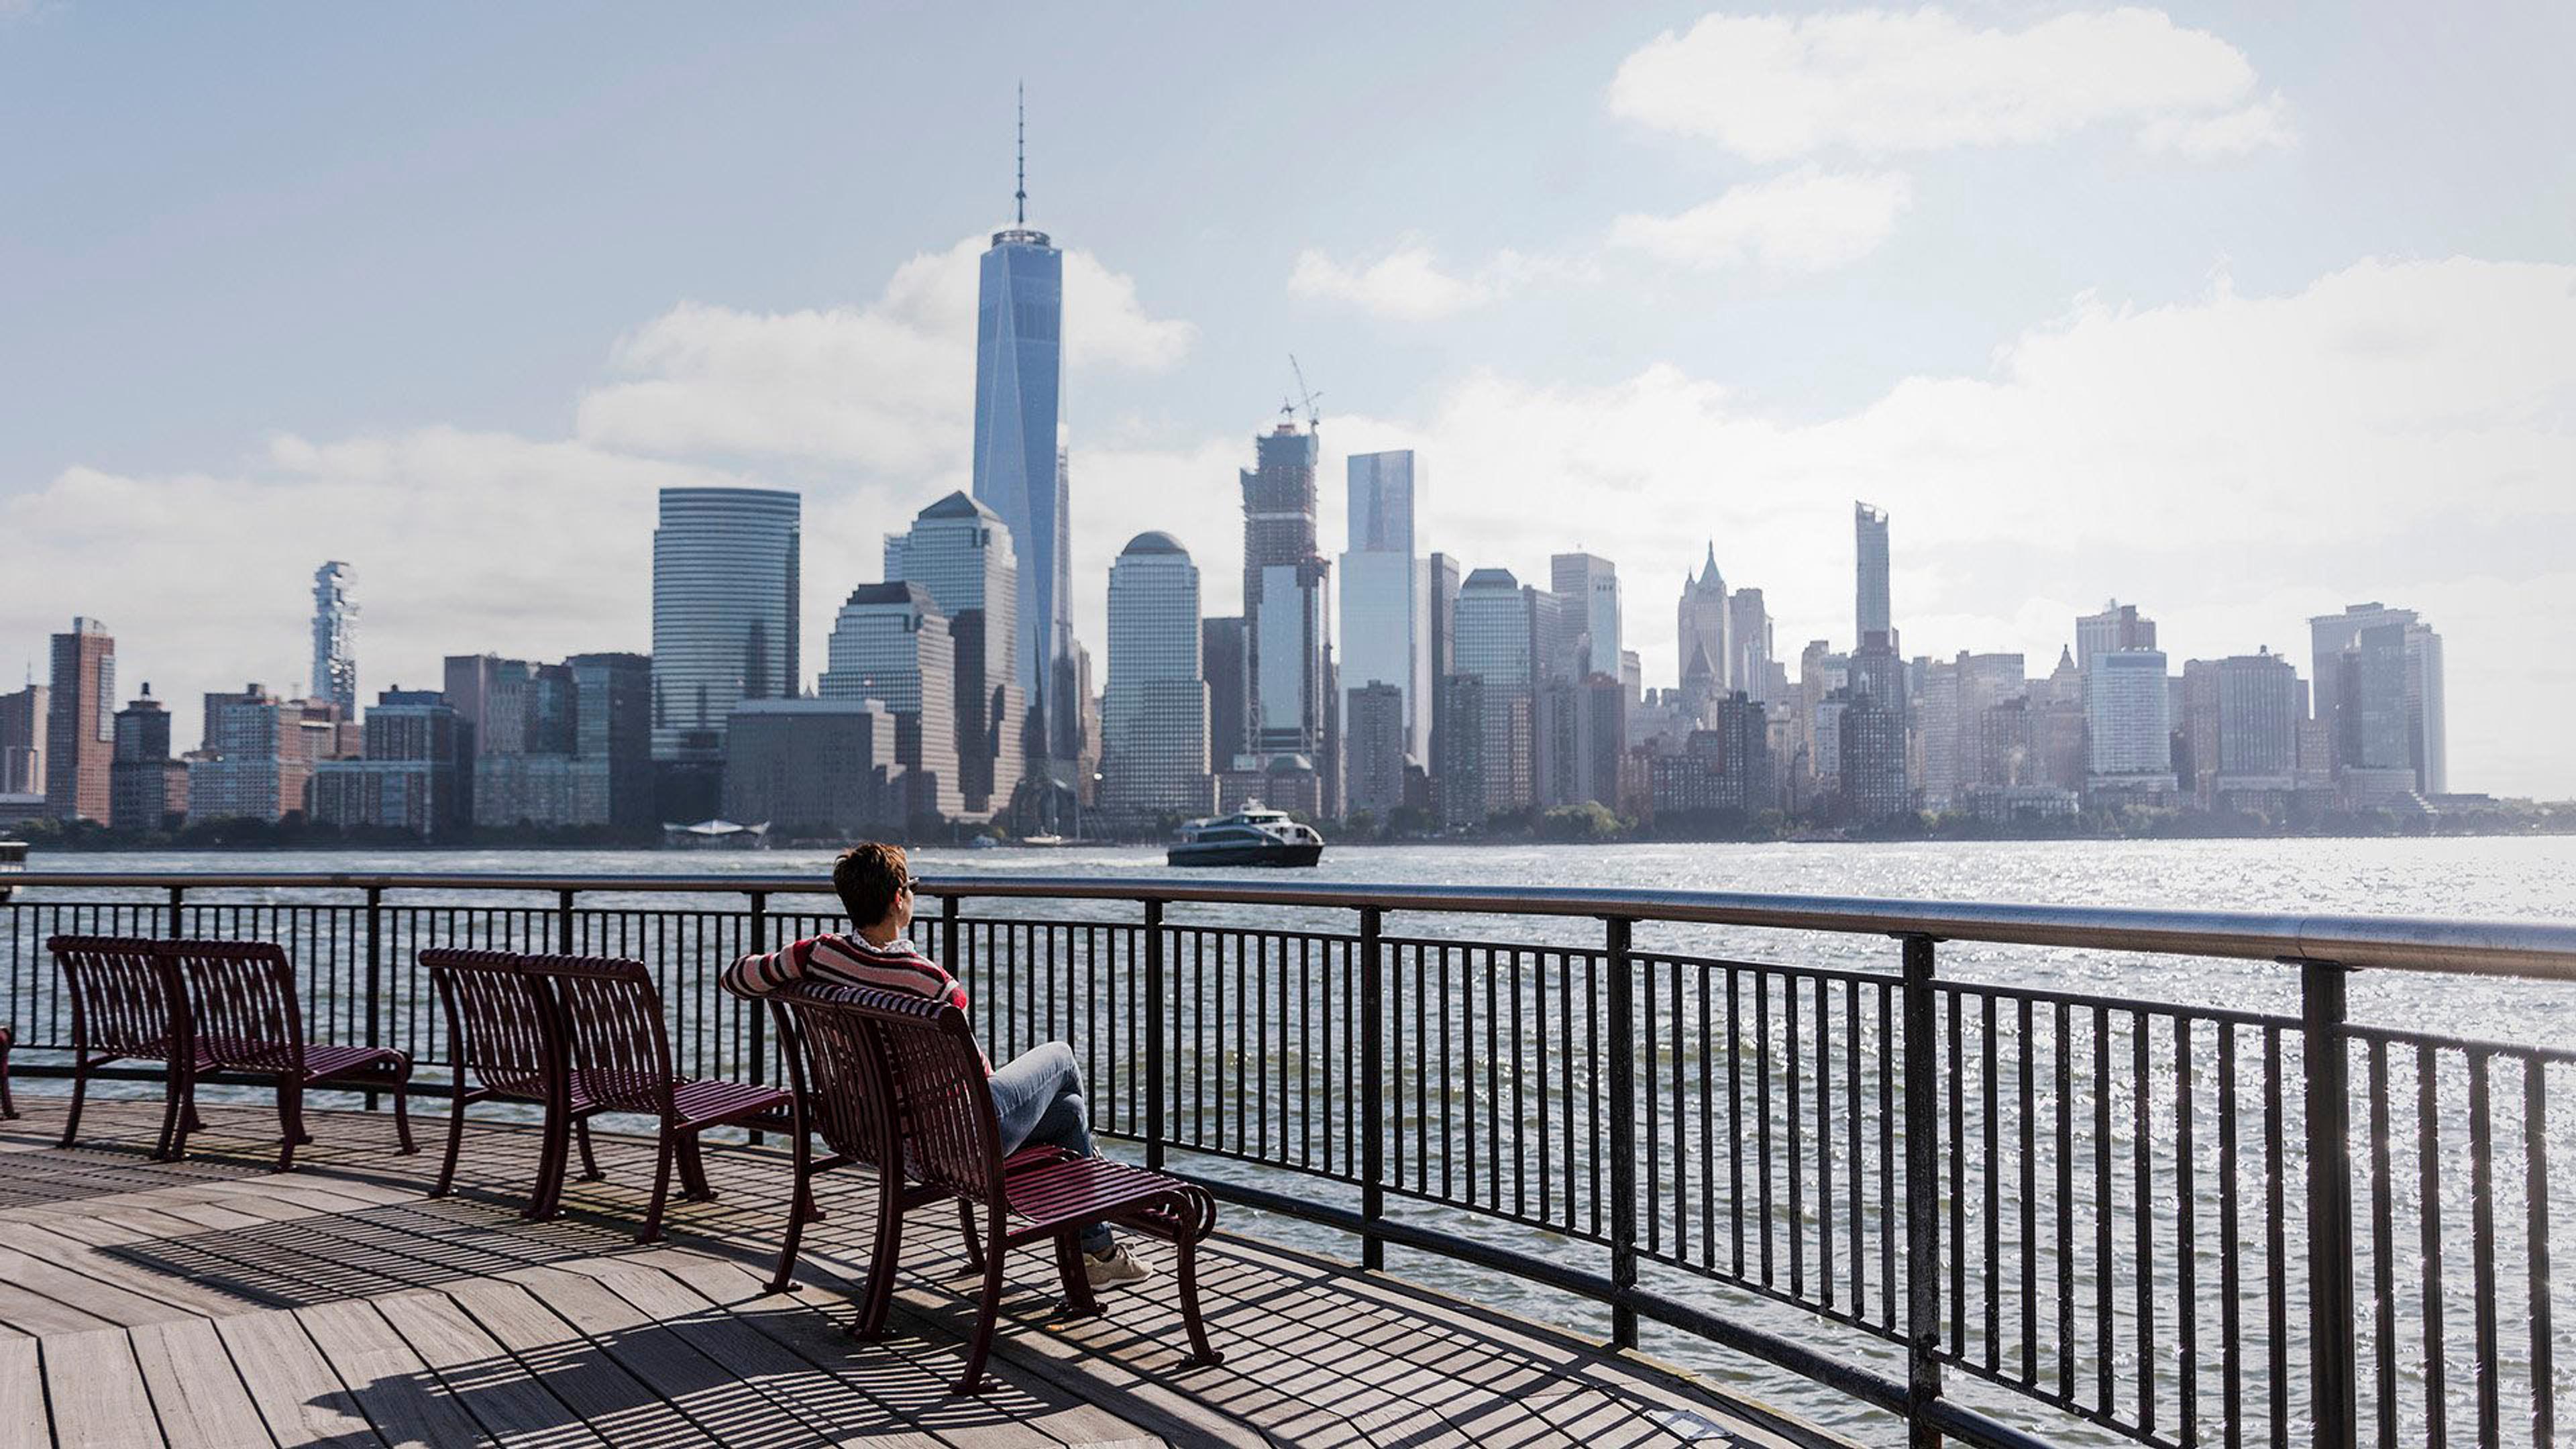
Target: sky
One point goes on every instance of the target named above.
(2237, 314)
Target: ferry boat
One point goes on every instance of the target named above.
(1250, 836)
(13, 859)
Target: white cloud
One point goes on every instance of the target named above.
(889, 386)
(2266, 123)
(1771, 87)
(1805, 221)
(1410, 284)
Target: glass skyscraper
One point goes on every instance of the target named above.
(1155, 713)
(1381, 596)
(1869, 542)
(725, 604)
(961, 551)
(1283, 595)
(1020, 471)
(335, 643)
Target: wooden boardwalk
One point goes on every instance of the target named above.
(216, 1303)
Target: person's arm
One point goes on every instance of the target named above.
(762, 973)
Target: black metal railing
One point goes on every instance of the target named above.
(1998, 1209)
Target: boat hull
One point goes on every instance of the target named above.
(1277, 853)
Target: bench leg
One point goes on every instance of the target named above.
(290, 1117)
(80, 1089)
(1201, 1351)
(652, 1229)
(988, 1313)
(179, 1117)
(693, 1170)
(974, 1245)
(551, 1152)
(589, 1164)
(884, 1256)
(1079, 1300)
(8, 1105)
(799, 1202)
(455, 1137)
(402, 1115)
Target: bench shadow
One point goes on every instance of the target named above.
(370, 1251)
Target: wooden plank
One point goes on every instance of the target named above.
(299, 1395)
(91, 1295)
(195, 1388)
(385, 1376)
(182, 1294)
(719, 1402)
(513, 1405)
(97, 1392)
(612, 1400)
(22, 1396)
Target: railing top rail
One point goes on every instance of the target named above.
(2537, 949)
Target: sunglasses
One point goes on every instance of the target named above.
(911, 884)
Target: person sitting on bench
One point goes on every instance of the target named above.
(1037, 1095)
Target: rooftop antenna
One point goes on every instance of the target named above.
(1312, 417)
(1022, 196)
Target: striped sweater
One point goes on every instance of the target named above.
(851, 961)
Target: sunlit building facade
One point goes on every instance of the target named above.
(1154, 714)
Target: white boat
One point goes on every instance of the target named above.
(13, 859)
(1250, 836)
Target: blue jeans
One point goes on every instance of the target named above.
(1037, 1100)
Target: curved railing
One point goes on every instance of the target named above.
(1896, 1165)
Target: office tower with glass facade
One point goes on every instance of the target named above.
(1496, 646)
(962, 552)
(22, 740)
(1588, 585)
(891, 644)
(139, 775)
(1283, 595)
(2402, 688)
(814, 768)
(2128, 722)
(1021, 472)
(1439, 650)
(612, 744)
(725, 619)
(335, 638)
(1869, 543)
(80, 723)
(1225, 652)
(1154, 715)
(1382, 595)
(1748, 644)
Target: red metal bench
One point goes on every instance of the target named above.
(242, 1017)
(617, 1051)
(500, 1039)
(8, 1108)
(943, 1130)
(126, 1006)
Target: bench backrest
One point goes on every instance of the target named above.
(242, 1013)
(828, 1036)
(951, 1138)
(125, 1000)
(613, 1036)
(496, 1019)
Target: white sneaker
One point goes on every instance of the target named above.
(1115, 1267)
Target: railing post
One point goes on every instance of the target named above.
(175, 893)
(1372, 1085)
(2330, 1271)
(1623, 1134)
(759, 1017)
(563, 922)
(948, 942)
(1922, 1196)
(1154, 997)
(375, 973)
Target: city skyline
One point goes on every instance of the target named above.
(2412, 404)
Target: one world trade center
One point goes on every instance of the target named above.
(1020, 469)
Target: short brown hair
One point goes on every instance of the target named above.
(868, 877)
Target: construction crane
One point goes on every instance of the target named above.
(1313, 418)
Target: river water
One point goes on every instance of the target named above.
(2516, 877)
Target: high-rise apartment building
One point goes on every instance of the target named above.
(891, 644)
(1382, 596)
(23, 723)
(1283, 595)
(254, 764)
(962, 552)
(80, 723)
(1373, 727)
(1021, 472)
(140, 776)
(726, 594)
(1154, 716)
(2118, 626)
(335, 638)
(1869, 545)
(2128, 722)
(412, 775)
(1702, 621)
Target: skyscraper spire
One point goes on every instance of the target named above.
(1022, 195)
